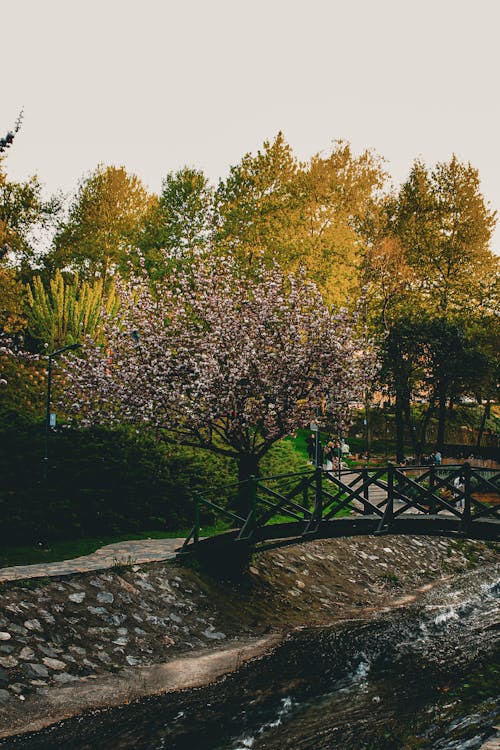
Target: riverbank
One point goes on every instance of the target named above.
(72, 643)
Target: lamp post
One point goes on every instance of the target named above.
(47, 411)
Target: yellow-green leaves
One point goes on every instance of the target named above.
(67, 310)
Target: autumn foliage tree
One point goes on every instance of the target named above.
(103, 224)
(300, 214)
(218, 360)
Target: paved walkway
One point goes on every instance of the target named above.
(120, 553)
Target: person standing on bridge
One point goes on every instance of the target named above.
(329, 455)
(311, 447)
(438, 459)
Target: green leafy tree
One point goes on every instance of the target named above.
(435, 358)
(257, 205)
(24, 214)
(181, 220)
(103, 223)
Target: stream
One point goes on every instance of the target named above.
(422, 676)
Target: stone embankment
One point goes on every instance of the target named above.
(84, 640)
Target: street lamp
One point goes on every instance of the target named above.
(47, 412)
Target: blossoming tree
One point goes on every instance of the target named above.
(218, 358)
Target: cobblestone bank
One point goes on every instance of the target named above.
(70, 630)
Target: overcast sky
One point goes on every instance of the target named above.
(157, 84)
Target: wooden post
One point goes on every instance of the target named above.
(253, 502)
(305, 494)
(466, 514)
(386, 520)
(390, 492)
(366, 493)
(196, 536)
(318, 498)
(432, 482)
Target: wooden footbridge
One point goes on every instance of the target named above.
(458, 500)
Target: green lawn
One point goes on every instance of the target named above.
(67, 550)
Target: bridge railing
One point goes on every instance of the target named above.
(206, 499)
(314, 497)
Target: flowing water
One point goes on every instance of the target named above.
(425, 676)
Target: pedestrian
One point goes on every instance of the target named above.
(459, 484)
(311, 447)
(329, 455)
(438, 458)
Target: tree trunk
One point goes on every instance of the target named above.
(248, 466)
(484, 417)
(400, 428)
(441, 419)
(410, 424)
(423, 430)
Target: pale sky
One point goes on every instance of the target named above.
(154, 85)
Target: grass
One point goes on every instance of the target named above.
(69, 549)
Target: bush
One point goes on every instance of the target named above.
(99, 482)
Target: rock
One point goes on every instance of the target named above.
(33, 671)
(48, 617)
(4, 676)
(8, 662)
(114, 619)
(174, 618)
(213, 635)
(4, 696)
(105, 597)
(154, 620)
(122, 641)
(18, 688)
(13, 608)
(126, 585)
(5, 636)
(103, 656)
(65, 677)
(33, 624)
(84, 672)
(53, 663)
(97, 611)
(132, 661)
(6, 648)
(18, 630)
(101, 632)
(78, 597)
(144, 585)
